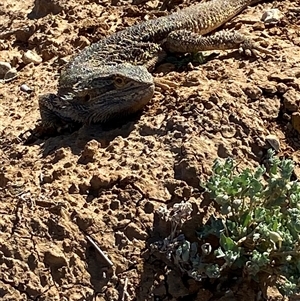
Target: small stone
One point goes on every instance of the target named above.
(4, 68)
(3, 180)
(188, 170)
(25, 88)
(31, 57)
(165, 68)
(286, 116)
(275, 293)
(269, 88)
(208, 105)
(55, 257)
(67, 164)
(84, 220)
(228, 130)
(100, 181)
(258, 26)
(89, 152)
(84, 188)
(24, 33)
(63, 60)
(124, 196)
(134, 231)
(11, 74)
(186, 192)
(281, 88)
(274, 142)
(59, 155)
(123, 223)
(253, 92)
(291, 100)
(223, 150)
(271, 16)
(81, 42)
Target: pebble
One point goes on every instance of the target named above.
(25, 88)
(269, 88)
(55, 257)
(228, 131)
(258, 26)
(100, 181)
(291, 100)
(273, 141)
(31, 57)
(281, 88)
(11, 74)
(62, 60)
(271, 16)
(134, 231)
(89, 152)
(253, 92)
(4, 68)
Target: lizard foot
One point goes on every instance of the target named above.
(249, 48)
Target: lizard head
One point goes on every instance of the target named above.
(91, 95)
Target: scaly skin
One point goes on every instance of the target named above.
(111, 78)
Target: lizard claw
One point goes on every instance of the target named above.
(253, 49)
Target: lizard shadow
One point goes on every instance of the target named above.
(82, 134)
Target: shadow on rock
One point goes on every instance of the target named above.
(79, 136)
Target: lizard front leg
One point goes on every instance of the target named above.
(185, 41)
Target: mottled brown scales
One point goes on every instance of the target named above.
(111, 78)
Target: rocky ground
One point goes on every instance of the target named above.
(107, 182)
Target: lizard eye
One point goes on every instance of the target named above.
(119, 81)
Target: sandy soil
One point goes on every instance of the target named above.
(108, 182)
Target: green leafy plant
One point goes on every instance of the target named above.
(258, 226)
(260, 218)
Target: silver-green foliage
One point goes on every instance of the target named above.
(260, 224)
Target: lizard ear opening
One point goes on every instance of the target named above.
(87, 97)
